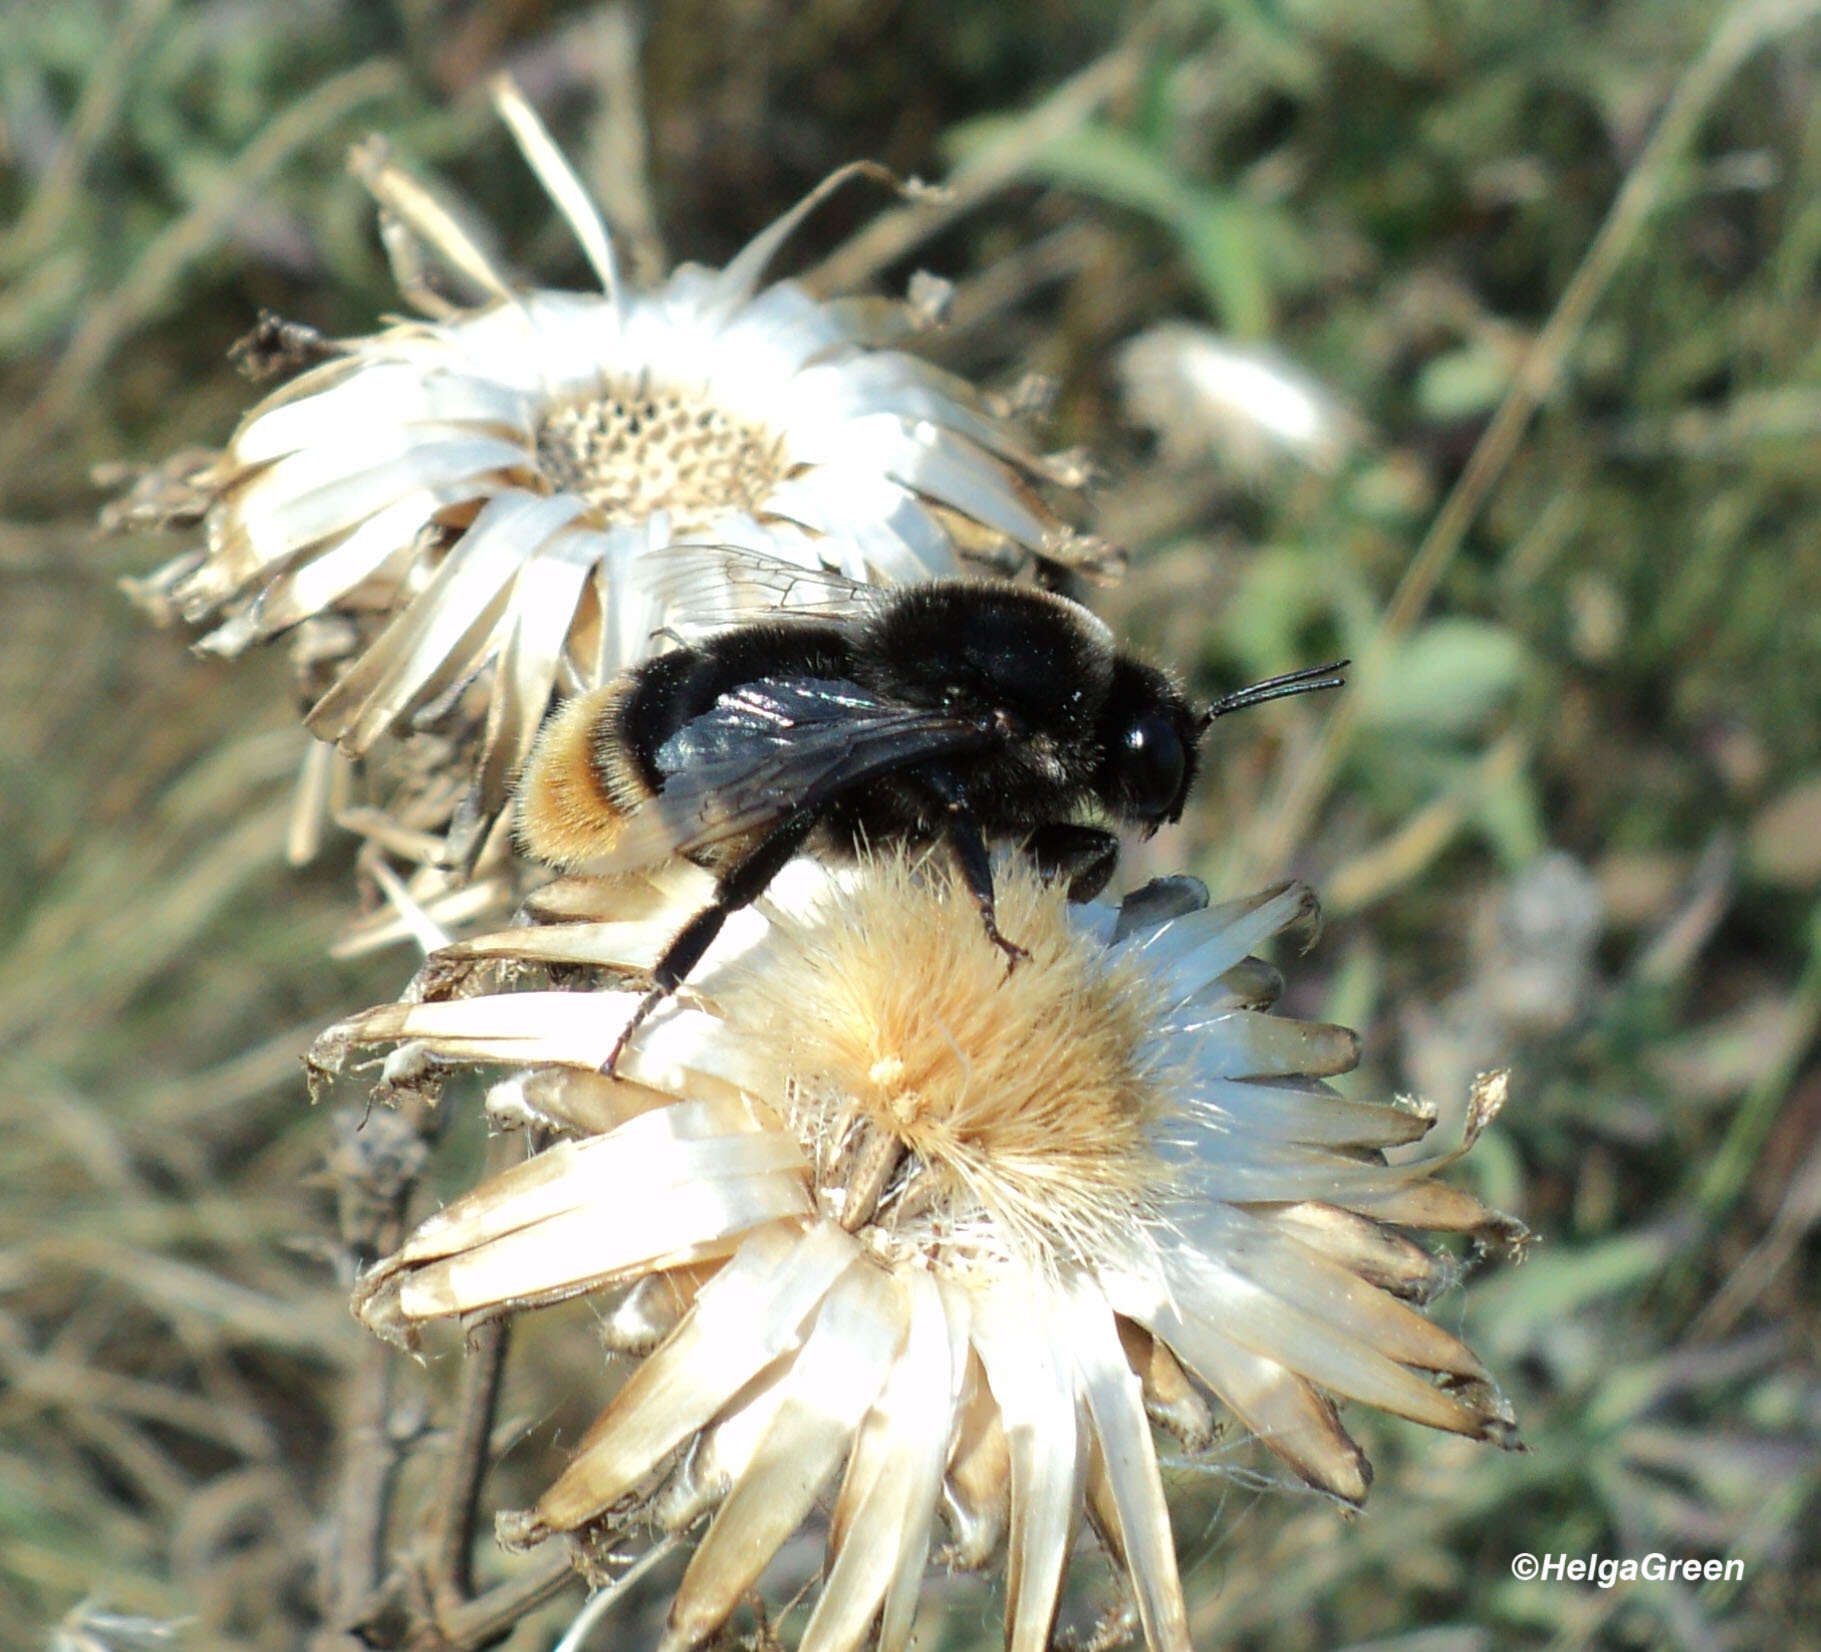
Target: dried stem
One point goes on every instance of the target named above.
(354, 1569)
(622, 163)
(604, 1600)
(103, 94)
(376, 1161)
(487, 1617)
(364, 1586)
(458, 1498)
(894, 234)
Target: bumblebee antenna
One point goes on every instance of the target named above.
(1306, 681)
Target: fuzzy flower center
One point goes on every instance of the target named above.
(643, 448)
(1019, 1108)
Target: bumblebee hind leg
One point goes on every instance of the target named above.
(740, 885)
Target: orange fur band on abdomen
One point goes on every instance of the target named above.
(581, 780)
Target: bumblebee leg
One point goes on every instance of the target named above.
(740, 885)
(1084, 856)
(977, 873)
(971, 857)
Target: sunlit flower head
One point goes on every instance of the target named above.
(478, 502)
(1240, 405)
(935, 1241)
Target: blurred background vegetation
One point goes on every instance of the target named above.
(1536, 282)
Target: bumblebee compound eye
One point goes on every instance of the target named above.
(1153, 764)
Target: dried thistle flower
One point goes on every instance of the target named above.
(463, 514)
(89, 1626)
(1240, 405)
(874, 1200)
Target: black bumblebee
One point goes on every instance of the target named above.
(852, 716)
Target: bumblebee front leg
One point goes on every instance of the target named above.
(740, 885)
(963, 833)
(1085, 857)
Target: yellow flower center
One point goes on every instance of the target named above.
(645, 448)
(1026, 1099)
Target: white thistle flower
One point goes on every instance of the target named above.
(472, 507)
(879, 1202)
(1213, 398)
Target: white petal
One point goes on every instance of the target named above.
(899, 1610)
(1283, 1410)
(858, 382)
(1262, 1171)
(632, 1168)
(542, 608)
(724, 1451)
(570, 1029)
(311, 495)
(380, 397)
(634, 943)
(1369, 1249)
(744, 271)
(417, 212)
(756, 352)
(554, 347)
(879, 1536)
(1313, 1115)
(593, 1247)
(977, 1482)
(633, 613)
(559, 181)
(1414, 1201)
(934, 462)
(571, 1103)
(1013, 1331)
(1193, 950)
(1308, 1280)
(752, 1311)
(883, 521)
(668, 1186)
(443, 634)
(1208, 1290)
(1114, 1396)
(1253, 1044)
(314, 583)
(831, 1384)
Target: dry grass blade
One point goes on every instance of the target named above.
(94, 115)
(894, 235)
(155, 276)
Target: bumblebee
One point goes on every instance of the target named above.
(951, 712)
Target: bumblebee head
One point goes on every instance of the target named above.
(1150, 737)
(1148, 740)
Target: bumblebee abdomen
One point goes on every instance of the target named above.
(583, 778)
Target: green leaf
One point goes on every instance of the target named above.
(1222, 236)
(1508, 812)
(1448, 679)
(1555, 1285)
(1464, 383)
(1284, 590)
(1222, 243)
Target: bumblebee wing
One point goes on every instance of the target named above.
(771, 748)
(704, 588)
